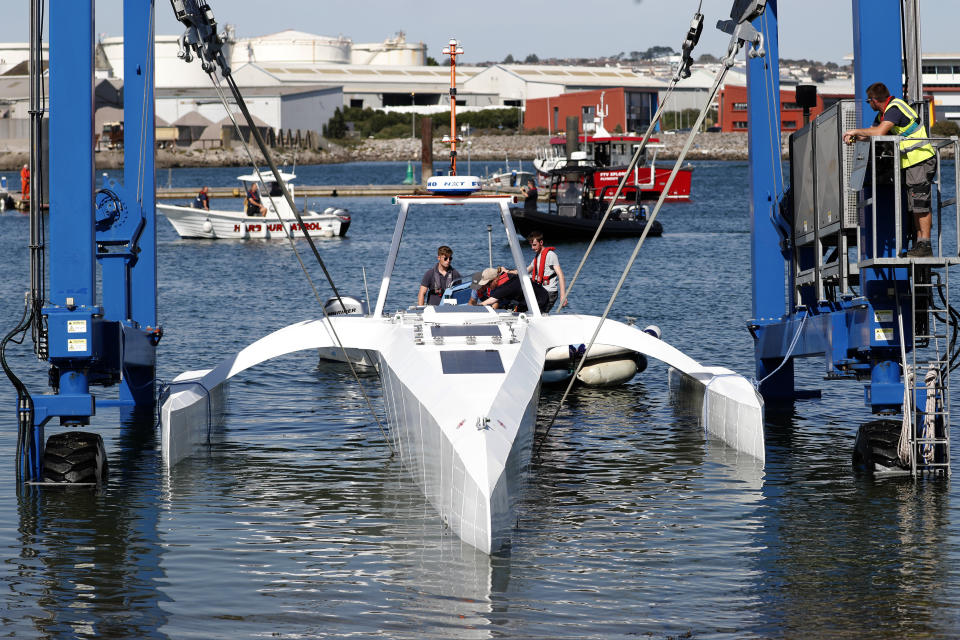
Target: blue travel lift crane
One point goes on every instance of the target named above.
(91, 336)
(829, 272)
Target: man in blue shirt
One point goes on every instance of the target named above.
(202, 201)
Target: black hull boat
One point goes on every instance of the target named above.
(558, 227)
(576, 204)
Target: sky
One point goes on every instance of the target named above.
(812, 29)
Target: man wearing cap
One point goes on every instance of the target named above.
(438, 279)
(503, 289)
(484, 281)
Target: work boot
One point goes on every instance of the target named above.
(921, 250)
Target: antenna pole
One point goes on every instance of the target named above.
(453, 50)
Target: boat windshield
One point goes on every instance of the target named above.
(569, 192)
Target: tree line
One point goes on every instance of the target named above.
(376, 123)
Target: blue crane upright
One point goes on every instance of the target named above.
(830, 275)
(92, 331)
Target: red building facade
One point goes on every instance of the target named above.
(628, 109)
(733, 109)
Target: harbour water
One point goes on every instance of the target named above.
(296, 523)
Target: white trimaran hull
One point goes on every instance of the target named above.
(460, 387)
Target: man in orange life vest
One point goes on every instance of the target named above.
(918, 160)
(25, 183)
(545, 270)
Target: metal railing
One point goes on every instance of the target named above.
(884, 168)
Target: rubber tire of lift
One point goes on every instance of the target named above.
(876, 445)
(75, 457)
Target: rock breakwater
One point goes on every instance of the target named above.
(706, 146)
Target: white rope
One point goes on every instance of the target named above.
(906, 426)
(786, 357)
(932, 380)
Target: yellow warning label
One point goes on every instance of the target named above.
(76, 326)
(77, 344)
(883, 315)
(884, 333)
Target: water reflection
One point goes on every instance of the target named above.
(90, 559)
(839, 549)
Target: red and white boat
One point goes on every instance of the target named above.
(611, 154)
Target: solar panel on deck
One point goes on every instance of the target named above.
(471, 361)
(453, 331)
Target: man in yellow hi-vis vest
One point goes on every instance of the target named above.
(918, 161)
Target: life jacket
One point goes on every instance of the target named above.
(540, 265)
(913, 148)
(501, 279)
(439, 281)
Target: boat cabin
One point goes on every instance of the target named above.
(580, 192)
(269, 186)
(607, 151)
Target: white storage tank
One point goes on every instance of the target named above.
(293, 47)
(394, 52)
(170, 70)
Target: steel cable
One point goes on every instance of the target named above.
(286, 193)
(734, 47)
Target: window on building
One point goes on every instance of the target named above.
(739, 124)
(956, 69)
(739, 106)
(556, 118)
(511, 103)
(356, 103)
(587, 114)
(928, 68)
(790, 106)
(641, 106)
(944, 69)
(788, 124)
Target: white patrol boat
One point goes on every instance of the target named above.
(460, 387)
(278, 222)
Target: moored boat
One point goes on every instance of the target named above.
(576, 204)
(278, 222)
(610, 154)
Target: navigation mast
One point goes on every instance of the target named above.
(453, 50)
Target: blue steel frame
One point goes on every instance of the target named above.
(843, 331)
(90, 343)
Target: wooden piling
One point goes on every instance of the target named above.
(426, 149)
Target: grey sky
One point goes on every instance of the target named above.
(814, 29)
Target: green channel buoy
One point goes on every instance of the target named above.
(409, 178)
